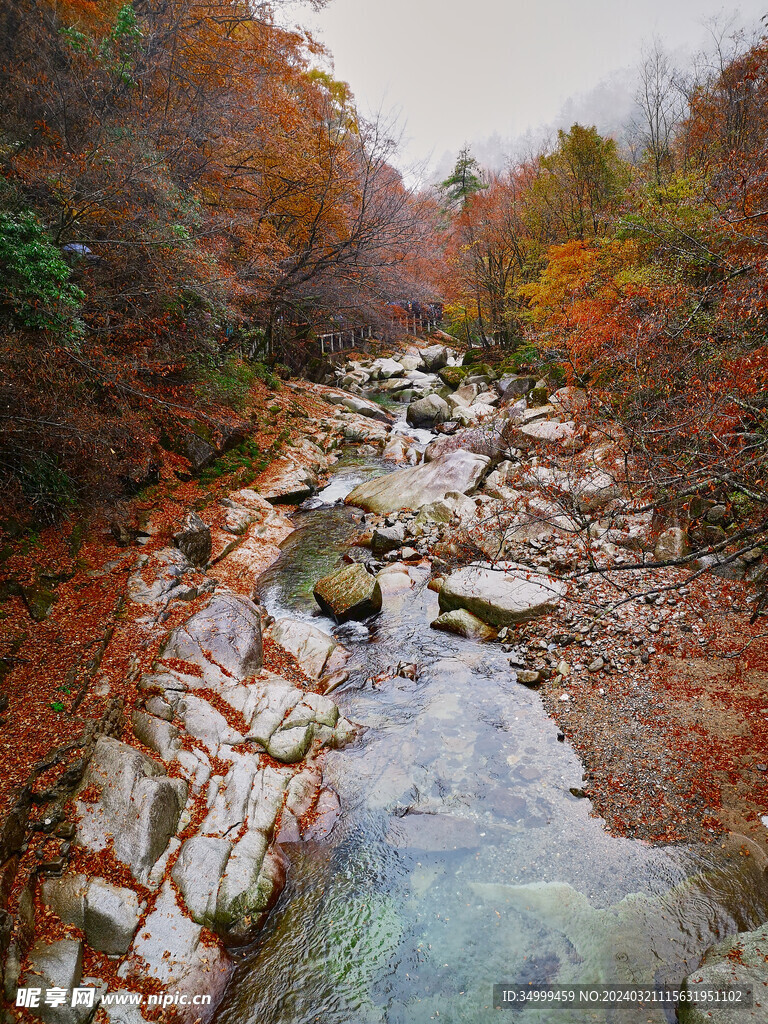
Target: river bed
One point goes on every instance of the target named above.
(461, 858)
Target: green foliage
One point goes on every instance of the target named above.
(523, 357)
(264, 373)
(246, 456)
(36, 291)
(583, 180)
(229, 382)
(463, 181)
(48, 489)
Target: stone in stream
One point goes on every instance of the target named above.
(383, 369)
(420, 485)
(349, 593)
(465, 624)
(426, 412)
(194, 539)
(742, 960)
(434, 358)
(387, 538)
(287, 483)
(436, 832)
(503, 595)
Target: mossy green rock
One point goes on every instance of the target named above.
(39, 600)
(453, 375)
(538, 397)
(350, 593)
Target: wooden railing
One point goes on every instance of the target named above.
(338, 341)
(419, 324)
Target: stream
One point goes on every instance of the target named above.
(461, 859)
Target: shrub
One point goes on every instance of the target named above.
(36, 290)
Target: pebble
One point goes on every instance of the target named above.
(596, 665)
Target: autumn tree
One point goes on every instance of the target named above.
(579, 186)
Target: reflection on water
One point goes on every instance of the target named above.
(461, 858)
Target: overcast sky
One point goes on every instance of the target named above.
(464, 70)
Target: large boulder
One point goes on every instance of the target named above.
(489, 439)
(223, 636)
(513, 388)
(426, 412)
(349, 593)
(545, 434)
(287, 483)
(421, 485)
(108, 914)
(740, 961)
(127, 796)
(309, 645)
(671, 545)
(383, 369)
(569, 401)
(434, 358)
(194, 539)
(501, 596)
(52, 966)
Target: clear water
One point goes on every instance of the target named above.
(461, 859)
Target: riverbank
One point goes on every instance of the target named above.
(160, 739)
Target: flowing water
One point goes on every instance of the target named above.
(461, 859)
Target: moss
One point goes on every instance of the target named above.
(453, 375)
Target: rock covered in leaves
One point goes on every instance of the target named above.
(671, 545)
(742, 960)
(349, 593)
(312, 648)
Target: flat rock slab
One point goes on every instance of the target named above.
(350, 593)
(435, 833)
(501, 596)
(420, 485)
(740, 960)
(545, 433)
(287, 483)
(226, 634)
